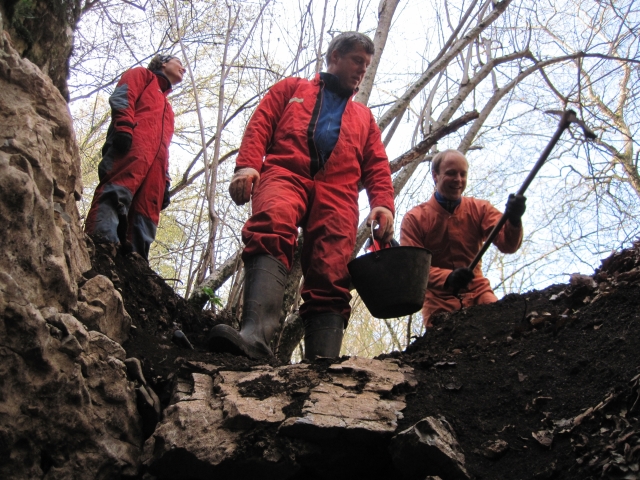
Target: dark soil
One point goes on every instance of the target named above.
(522, 368)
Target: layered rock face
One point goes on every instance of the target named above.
(299, 422)
(67, 409)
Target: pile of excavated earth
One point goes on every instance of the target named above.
(541, 385)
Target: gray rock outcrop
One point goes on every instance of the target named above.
(277, 421)
(67, 409)
(429, 447)
(101, 308)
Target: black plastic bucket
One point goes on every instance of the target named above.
(392, 282)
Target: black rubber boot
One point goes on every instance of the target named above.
(323, 335)
(264, 283)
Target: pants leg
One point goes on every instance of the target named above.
(279, 206)
(329, 238)
(120, 178)
(109, 200)
(144, 213)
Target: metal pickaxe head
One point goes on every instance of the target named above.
(569, 117)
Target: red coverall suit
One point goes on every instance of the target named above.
(294, 191)
(133, 184)
(454, 239)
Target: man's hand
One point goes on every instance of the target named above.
(516, 205)
(459, 279)
(122, 142)
(166, 200)
(243, 183)
(384, 217)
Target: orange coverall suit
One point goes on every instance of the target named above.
(454, 239)
(295, 190)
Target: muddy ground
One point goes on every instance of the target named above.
(536, 386)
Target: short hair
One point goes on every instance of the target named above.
(347, 42)
(157, 61)
(439, 157)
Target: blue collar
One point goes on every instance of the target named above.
(448, 205)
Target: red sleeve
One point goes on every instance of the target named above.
(263, 123)
(376, 175)
(124, 97)
(509, 238)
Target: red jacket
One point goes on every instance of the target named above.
(140, 107)
(281, 131)
(454, 240)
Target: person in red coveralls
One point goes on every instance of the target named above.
(454, 228)
(303, 153)
(133, 174)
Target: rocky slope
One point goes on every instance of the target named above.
(543, 385)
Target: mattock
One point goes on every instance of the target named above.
(568, 117)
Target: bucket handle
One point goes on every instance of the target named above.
(376, 249)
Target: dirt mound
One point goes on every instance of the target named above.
(542, 385)
(156, 312)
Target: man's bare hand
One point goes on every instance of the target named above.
(384, 217)
(243, 183)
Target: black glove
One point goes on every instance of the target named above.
(167, 197)
(458, 279)
(516, 205)
(122, 142)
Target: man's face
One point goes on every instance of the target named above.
(350, 67)
(452, 179)
(174, 70)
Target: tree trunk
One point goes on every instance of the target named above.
(386, 9)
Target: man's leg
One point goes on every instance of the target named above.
(329, 239)
(270, 238)
(480, 292)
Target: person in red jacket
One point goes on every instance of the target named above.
(134, 172)
(303, 153)
(454, 228)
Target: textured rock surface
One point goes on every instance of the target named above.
(429, 447)
(101, 308)
(67, 409)
(276, 421)
(39, 185)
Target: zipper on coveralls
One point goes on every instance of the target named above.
(314, 155)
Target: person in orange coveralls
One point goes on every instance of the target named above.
(303, 153)
(454, 228)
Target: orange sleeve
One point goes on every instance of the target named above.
(123, 99)
(509, 238)
(410, 232)
(376, 175)
(411, 236)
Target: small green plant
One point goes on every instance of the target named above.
(213, 298)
